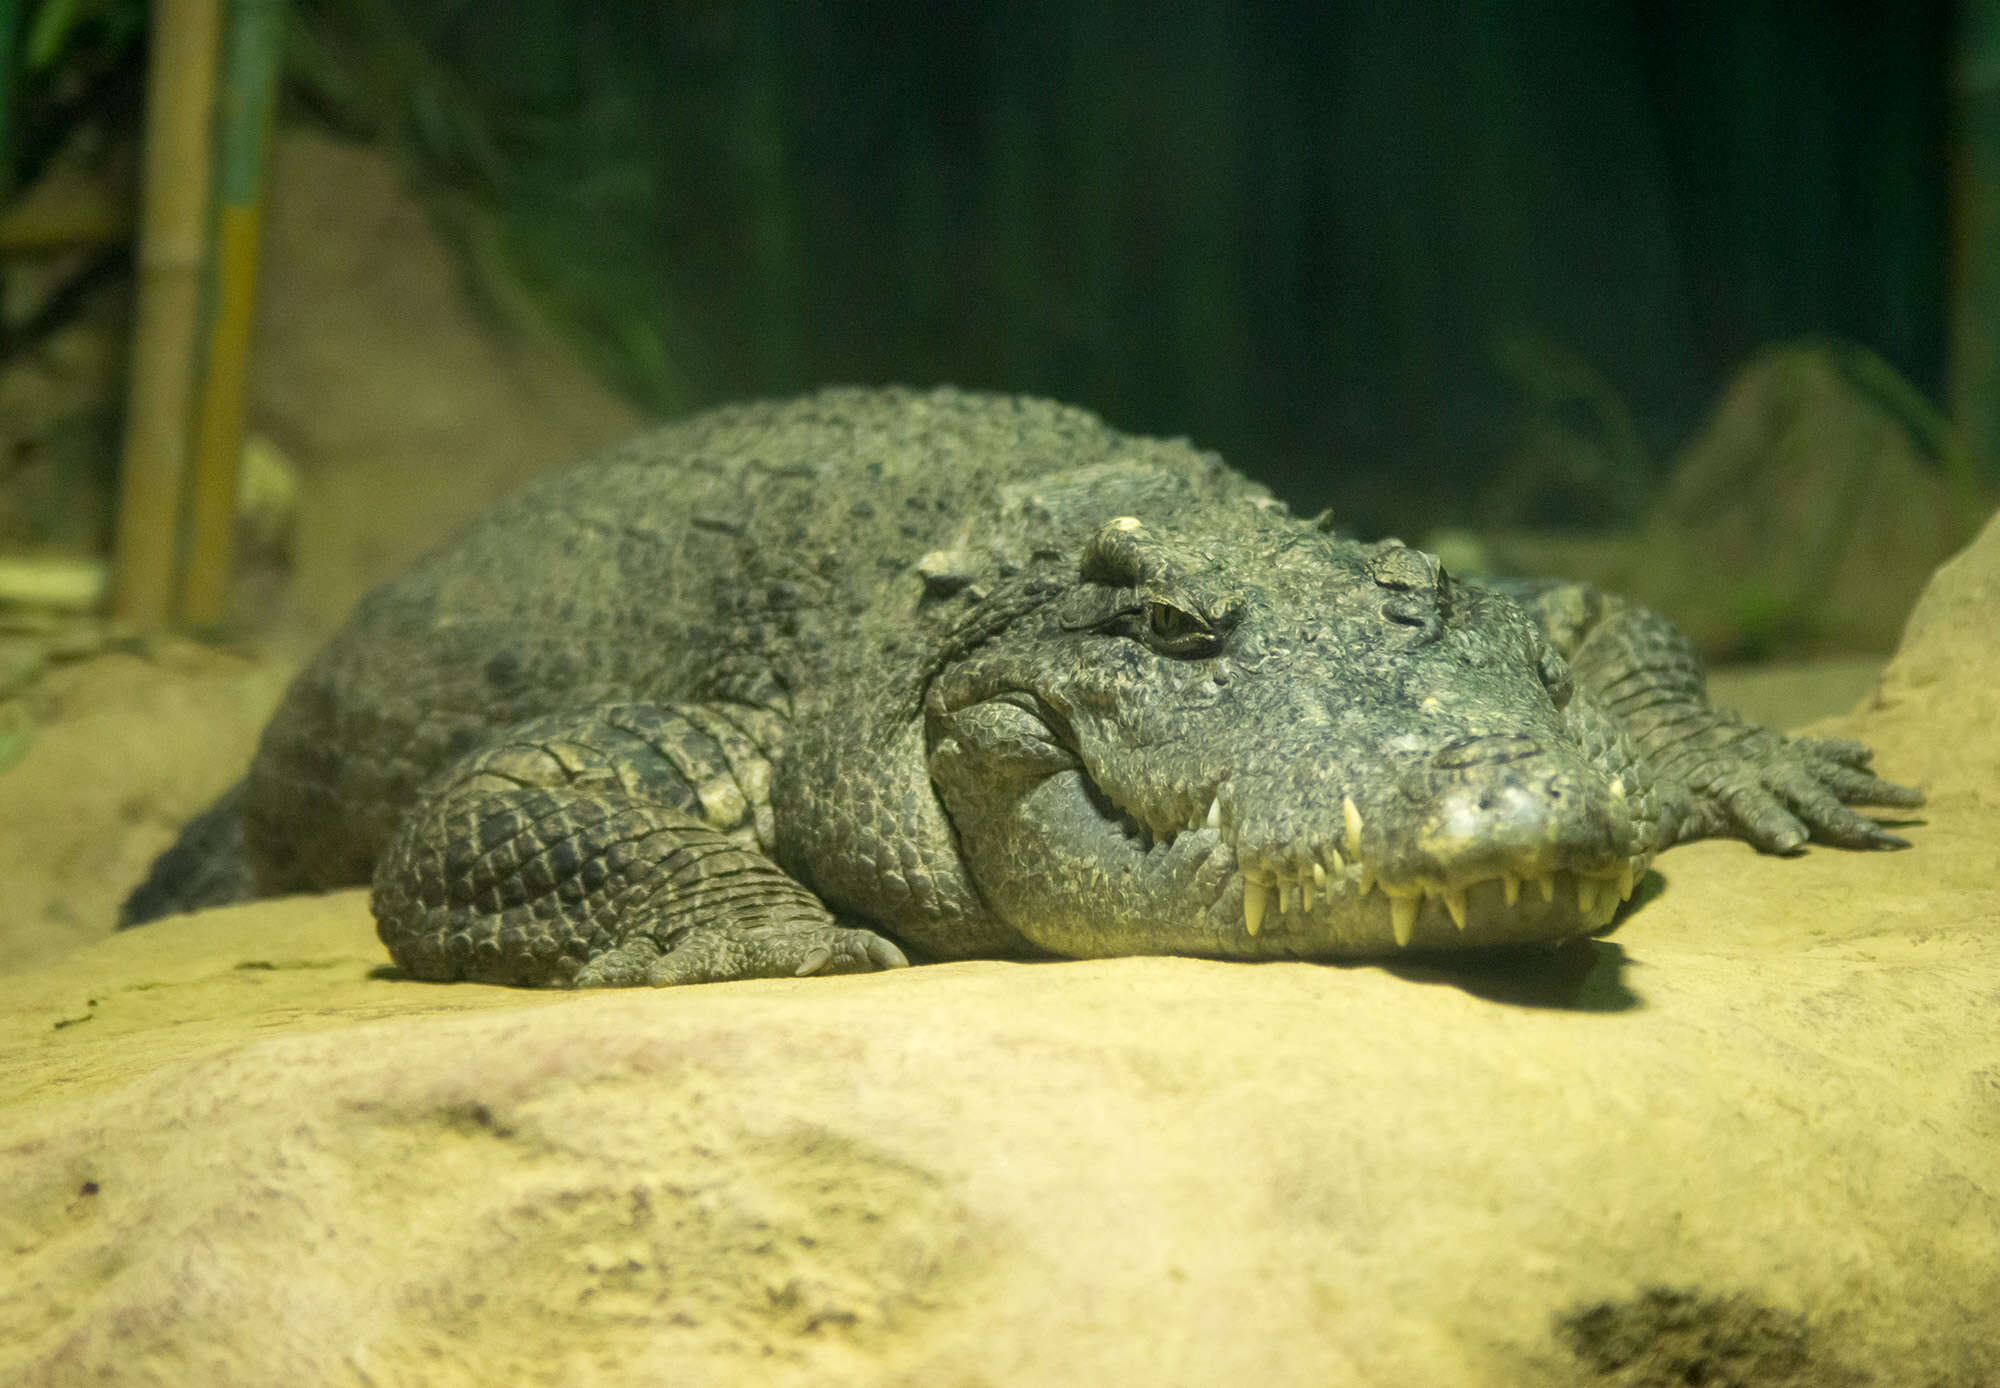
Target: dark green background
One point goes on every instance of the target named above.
(1362, 248)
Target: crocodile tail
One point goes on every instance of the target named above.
(205, 867)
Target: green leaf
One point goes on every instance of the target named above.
(49, 35)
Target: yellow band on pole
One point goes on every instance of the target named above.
(251, 63)
(219, 438)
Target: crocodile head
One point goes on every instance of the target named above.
(1224, 732)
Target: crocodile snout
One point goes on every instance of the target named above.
(1524, 817)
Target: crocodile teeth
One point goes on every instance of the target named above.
(1353, 818)
(1334, 862)
(1301, 886)
(1403, 916)
(1214, 820)
(1597, 897)
(1618, 786)
(1586, 897)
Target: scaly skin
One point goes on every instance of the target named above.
(798, 687)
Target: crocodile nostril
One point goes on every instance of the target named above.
(1512, 822)
(1521, 818)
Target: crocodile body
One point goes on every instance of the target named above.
(821, 685)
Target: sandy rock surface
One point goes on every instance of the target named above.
(1752, 1136)
(125, 749)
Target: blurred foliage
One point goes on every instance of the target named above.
(76, 62)
(58, 29)
(550, 182)
(71, 99)
(1423, 261)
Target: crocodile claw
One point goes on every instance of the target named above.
(1780, 793)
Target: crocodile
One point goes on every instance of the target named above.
(830, 684)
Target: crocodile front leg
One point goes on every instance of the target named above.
(623, 846)
(1739, 778)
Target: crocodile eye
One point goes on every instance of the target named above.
(1175, 631)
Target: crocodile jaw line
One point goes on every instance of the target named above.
(1176, 872)
(1321, 881)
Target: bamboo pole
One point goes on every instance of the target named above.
(180, 98)
(249, 89)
